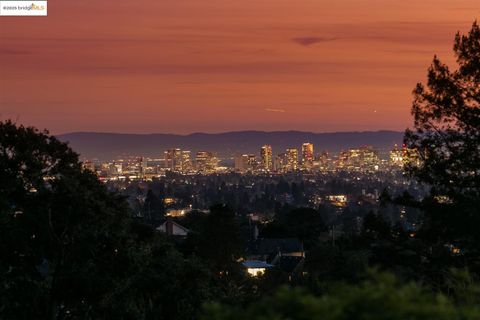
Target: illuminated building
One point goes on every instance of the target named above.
(396, 157)
(288, 161)
(323, 161)
(266, 158)
(201, 159)
(173, 159)
(292, 159)
(186, 162)
(369, 157)
(176, 212)
(206, 162)
(307, 156)
(363, 159)
(339, 200)
(256, 268)
(142, 166)
(168, 201)
(241, 163)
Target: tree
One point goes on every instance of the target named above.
(69, 248)
(218, 239)
(59, 228)
(446, 112)
(153, 208)
(305, 224)
(379, 298)
(446, 141)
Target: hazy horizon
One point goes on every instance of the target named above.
(225, 132)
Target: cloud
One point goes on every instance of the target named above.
(308, 41)
(275, 110)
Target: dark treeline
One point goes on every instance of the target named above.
(74, 248)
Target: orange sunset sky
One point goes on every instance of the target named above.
(184, 66)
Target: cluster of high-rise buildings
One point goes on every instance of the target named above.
(132, 168)
(284, 162)
(178, 160)
(363, 159)
(174, 160)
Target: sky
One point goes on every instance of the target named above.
(182, 66)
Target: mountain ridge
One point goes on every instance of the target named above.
(110, 145)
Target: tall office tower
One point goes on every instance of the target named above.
(201, 159)
(292, 159)
(186, 162)
(142, 166)
(266, 155)
(173, 159)
(206, 162)
(241, 163)
(307, 155)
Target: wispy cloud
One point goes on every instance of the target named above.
(275, 110)
(308, 41)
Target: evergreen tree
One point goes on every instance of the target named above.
(444, 148)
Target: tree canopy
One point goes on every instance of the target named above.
(446, 113)
(446, 138)
(69, 248)
(381, 297)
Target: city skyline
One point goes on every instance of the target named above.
(363, 159)
(219, 65)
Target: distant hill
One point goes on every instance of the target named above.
(106, 146)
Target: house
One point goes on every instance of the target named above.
(284, 253)
(171, 228)
(255, 267)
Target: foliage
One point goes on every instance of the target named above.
(379, 298)
(69, 248)
(446, 138)
(303, 223)
(216, 238)
(447, 122)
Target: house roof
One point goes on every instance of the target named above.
(163, 227)
(256, 264)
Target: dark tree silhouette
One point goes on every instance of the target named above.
(69, 248)
(446, 113)
(217, 238)
(446, 139)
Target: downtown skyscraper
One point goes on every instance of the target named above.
(266, 157)
(307, 155)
